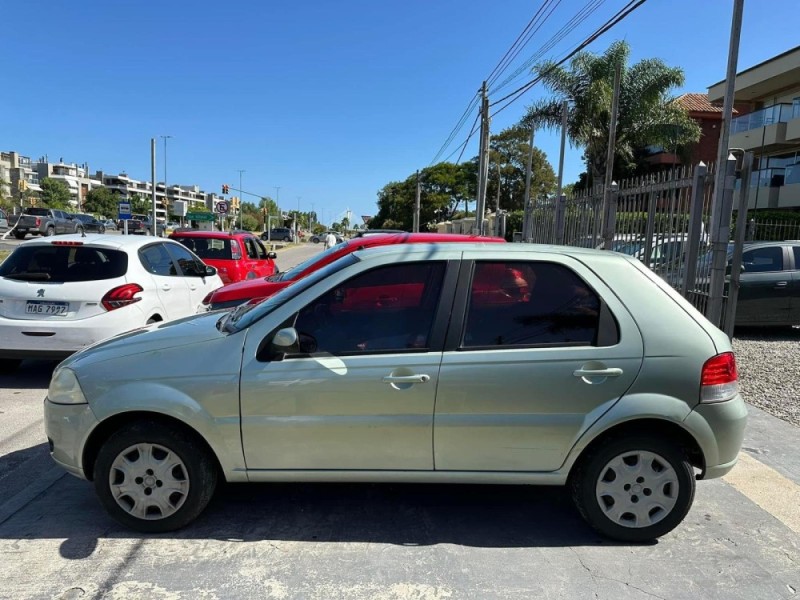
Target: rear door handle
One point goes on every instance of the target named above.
(166, 287)
(422, 378)
(781, 284)
(611, 372)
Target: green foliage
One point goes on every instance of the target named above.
(249, 222)
(54, 194)
(647, 113)
(140, 205)
(513, 223)
(101, 201)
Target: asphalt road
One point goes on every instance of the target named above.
(388, 542)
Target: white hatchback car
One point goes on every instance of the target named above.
(60, 295)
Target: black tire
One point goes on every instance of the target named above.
(9, 365)
(101, 229)
(199, 472)
(286, 238)
(584, 483)
(50, 231)
(79, 230)
(20, 236)
(315, 240)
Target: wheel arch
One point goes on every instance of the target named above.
(647, 426)
(106, 428)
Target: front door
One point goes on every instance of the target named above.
(358, 394)
(545, 349)
(169, 282)
(765, 287)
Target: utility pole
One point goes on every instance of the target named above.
(564, 122)
(240, 197)
(153, 181)
(612, 142)
(415, 226)
(527, 219)
(483, 163)
(724, 179)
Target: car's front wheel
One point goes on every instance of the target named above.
(154, 478)
(634, 489)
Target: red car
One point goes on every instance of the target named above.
(237, 255)
(237, 293)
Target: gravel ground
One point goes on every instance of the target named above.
(769, 370)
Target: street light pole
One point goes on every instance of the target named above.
(166, 199)
(240, 198)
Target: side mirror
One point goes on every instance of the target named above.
(285, 341)
(210, 271)
(272, 255)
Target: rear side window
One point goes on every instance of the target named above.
(64, 264)
(156, 260)
(796, 250)
(207, 248)
(531, 304)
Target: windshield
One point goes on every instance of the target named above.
(245, 315)
(297, 270)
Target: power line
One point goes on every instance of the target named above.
(517, 94)
(568, 28)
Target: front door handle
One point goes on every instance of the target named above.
(166, 287)
(612, 372)
(781, 284)
(422, 378)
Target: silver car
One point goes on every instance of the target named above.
(458, 363)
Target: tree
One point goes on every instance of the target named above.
(101, 201)
(54, 194)
(509, 151)
(647, 114)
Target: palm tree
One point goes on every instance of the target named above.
(648, 115)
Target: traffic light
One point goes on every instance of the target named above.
(225, 188)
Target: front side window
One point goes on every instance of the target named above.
(187, 262)
(530, 304)
(763, 260)
(387, 309)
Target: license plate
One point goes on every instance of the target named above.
(38, 307)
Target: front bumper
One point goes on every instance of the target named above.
(68, 427)
(719, 430)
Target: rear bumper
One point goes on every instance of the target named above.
(51, 339)
(719, 430)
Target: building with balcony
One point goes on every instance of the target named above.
(15, 168)
(75, 177)
(769, 127)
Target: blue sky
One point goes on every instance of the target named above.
(329, 100)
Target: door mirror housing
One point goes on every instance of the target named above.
(272, 255)
(210, 271)
(285, 341)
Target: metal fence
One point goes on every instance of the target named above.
(668, 222)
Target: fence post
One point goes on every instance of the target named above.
(751, 230)
(695, 227)
(610, 218)
(738, 247)
(720, 234)
(650, 227)
(561, 214)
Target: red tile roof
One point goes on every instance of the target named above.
(699, 103)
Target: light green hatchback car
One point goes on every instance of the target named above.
(456, 363)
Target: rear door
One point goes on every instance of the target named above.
(536, 352)
(173, 291)
(794, 302)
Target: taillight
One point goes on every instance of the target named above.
(207, 299)
(236, 251)
(121, 296)
(38, 221)
(719, 380)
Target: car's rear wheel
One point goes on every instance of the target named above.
(19, 236)
(634, 489)
(315, 240)
(50, 231)
(286, 238)
(154, 478)
(101, 229)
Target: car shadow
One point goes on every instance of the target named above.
(486, 516)
(31, 374)
(778, 334)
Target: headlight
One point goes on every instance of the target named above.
(65, 389)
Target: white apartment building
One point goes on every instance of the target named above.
(74, 176)
(15, 168)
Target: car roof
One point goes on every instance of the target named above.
(418, 238)
(509, 249)
(117, 242)
(199, 233)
